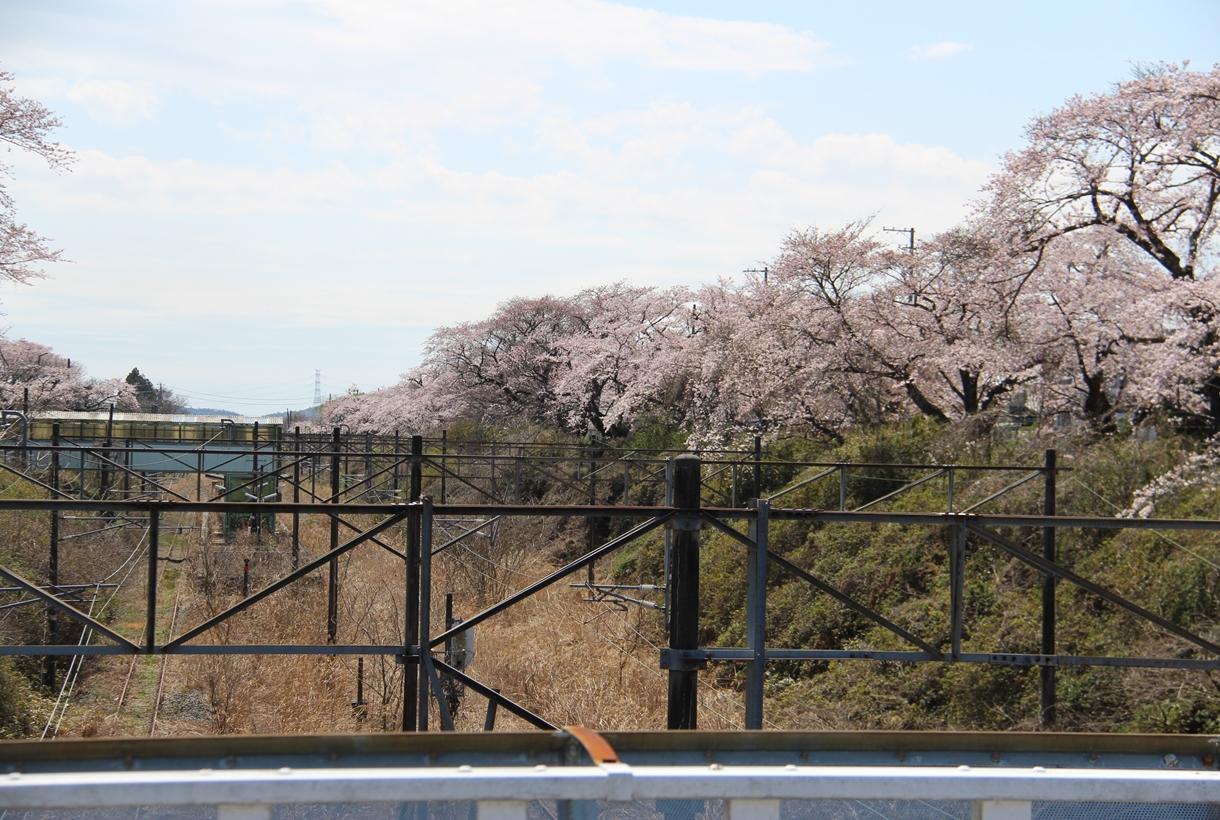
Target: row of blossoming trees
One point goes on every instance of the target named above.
(35, 376)
(1081, 284)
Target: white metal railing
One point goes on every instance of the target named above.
(502, 793)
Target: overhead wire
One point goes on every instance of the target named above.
(1158, 533)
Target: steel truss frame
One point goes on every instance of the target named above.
(683, 518)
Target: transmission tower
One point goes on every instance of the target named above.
(317, 388)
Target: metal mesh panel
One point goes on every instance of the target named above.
(661, 810)
(875, 810)
(122, 813)
(1126, 811)
(432, 810)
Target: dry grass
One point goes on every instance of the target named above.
(566, 659)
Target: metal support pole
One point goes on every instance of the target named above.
(395, 470)
(489, 719)
(683, 592)
(758, 466)
(1047, 673)
(957, 565)
(368, 455)
(756, 613)
(258, 488)
(590, 524)
(842, 486)
(425, 608)
(332, 580)
(411, 679)
(154, 547)
(444, 462)
(103, 484)
(296, 499)
(48, 673)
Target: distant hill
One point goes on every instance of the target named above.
(210, 411)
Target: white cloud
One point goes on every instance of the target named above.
(938, 51)
(113, 99)
(577, 31)
(852, 155)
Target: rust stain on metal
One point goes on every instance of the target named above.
(596, 746)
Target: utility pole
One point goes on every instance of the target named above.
(317, 388)
(765, 270)
(910, 232)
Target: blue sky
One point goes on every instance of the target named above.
(265, 188)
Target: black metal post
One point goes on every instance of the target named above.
(394, 472)
(48, 673)
(756, 613)
(410, 678)
(332, 585)
(425, 608)
(296, 499)
(103, 488)
(444, 463)
(489, 720)
(258, 489)
(1047, 673)
(683, 593)
(368, 456)
(957, 588)
(154, 547)
(758, 467)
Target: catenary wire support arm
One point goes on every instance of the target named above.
(69, 610)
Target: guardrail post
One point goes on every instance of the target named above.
(1002, 810)
(1047, 673)
(502, 810)
(753, 809)
(243, 811)
(756, 614)
(683, 593)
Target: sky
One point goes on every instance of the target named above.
(264, 189)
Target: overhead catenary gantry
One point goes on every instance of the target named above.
(442, 493)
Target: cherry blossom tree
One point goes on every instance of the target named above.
(1138, 167)
(24, 124)
(54, 382)
(1142, 162)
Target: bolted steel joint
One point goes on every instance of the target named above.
(683, 660)
(685, 522)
